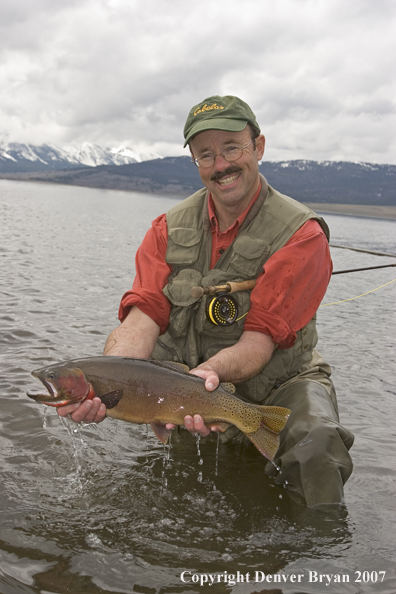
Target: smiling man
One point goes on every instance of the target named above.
(239, 228)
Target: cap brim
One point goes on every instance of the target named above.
(228, 125)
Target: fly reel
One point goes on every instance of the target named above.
(222, 310)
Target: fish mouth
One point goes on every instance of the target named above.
(49, 397)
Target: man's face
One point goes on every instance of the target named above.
(232, 184)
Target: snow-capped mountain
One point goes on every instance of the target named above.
(124, 168)
(17, 157)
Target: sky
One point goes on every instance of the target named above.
(318, 74)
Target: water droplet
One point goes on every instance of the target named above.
(217, 454)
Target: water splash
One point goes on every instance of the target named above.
(166, 462)
(74, 430)
(276, 466)
(200, 461)
(45, 417)
(217, 455)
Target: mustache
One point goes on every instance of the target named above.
(229, 171)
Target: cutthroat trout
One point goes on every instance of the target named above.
(158, 392)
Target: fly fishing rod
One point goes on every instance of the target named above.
(222, 310)
(355, 249)
(233, 287)
(198, 292)
(359, 269)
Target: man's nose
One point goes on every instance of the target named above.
(220, 163)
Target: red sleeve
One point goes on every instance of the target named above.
(152, 273)
(294, 283)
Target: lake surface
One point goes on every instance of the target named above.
(107, 508)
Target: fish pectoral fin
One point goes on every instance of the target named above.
(111, 399)
(161, 431)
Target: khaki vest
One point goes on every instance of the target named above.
(191, 338)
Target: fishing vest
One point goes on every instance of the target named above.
(191, 337)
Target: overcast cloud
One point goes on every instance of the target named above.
(319, 74)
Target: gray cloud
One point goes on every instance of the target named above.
(319, 75)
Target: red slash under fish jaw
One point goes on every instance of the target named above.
(91, 394)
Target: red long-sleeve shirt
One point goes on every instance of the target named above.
(284, 300)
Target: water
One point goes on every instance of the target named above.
(103, 508)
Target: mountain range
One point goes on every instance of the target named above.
(125, 169)
(17, 157)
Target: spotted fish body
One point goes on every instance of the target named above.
(156, 393)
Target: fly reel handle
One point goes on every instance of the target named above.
(230, 287)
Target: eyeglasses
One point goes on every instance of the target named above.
(231, 153)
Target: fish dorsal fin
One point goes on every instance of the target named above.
(181, 367)
(228, 387)
(172, 365)
(111, 399)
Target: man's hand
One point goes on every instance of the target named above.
(89, 411)
(206, 372)
(196, 423)
(135, 337)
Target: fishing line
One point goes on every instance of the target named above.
(357, 297)
(344, 300)
(354, 249)
(245, 314)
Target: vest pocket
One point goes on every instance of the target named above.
(248, 254)
(183, 245)
(178, 291)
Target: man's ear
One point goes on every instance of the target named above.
(260, 146)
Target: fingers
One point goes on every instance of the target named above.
(211, 378)
(196, 424)
(89, 411)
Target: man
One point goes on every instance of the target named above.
(238, 228)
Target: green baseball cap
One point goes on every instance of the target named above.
(227, 113)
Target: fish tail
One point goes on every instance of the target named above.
(266, 441)
(266, 437)
(274, 417)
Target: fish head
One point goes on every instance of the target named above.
(64, 385)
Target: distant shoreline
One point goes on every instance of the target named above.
(355, 210)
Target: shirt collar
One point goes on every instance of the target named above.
(212, 213)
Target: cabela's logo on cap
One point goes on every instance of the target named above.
(207, 108)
